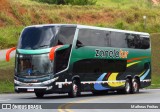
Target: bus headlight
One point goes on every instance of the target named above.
(17, 82)
(50, 81)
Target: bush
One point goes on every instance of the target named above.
(71, 2)
(81, 2)
(52, 1)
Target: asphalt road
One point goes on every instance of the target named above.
(3, 54)
(145, 96)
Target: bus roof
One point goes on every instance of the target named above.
(92, 27)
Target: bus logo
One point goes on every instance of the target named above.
(111, 53)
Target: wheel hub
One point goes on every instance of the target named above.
(75, 88)
(135, 85)
(127, 87)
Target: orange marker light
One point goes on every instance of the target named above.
(9, 52)
(52, 52)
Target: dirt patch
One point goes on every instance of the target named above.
(156, 2)
(89, 18)
(5, 7)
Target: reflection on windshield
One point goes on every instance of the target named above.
(34, 65)
(37, 37)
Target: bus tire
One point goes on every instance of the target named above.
(39, 94)
(75, 89)
(135, 86)
(128, 87)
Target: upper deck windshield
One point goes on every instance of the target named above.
(37, 37)
(46, 37)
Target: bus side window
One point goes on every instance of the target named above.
(130, 41)
(66, 35)
(83, 37)
(118, 40)
(145, 43)
(89, 37)
(137, 41)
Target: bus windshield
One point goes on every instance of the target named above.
(37, 37)
(34, 65)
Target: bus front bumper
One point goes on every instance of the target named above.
(31, 87)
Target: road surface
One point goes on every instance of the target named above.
(145, 96)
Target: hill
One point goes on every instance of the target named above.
(121, 14)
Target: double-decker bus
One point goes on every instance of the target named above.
(67, 58)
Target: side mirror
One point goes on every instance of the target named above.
(9, 52)
(52, 52)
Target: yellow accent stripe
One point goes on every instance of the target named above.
(141, 74)
(113, 77)
(130, 64)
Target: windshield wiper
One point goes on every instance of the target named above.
(39, 46)
(43, 45)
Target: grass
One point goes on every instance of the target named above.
(155, 39)
(120, 14)
(11, 34)
(125, 4)
(6, 76)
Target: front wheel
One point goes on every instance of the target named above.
(75, 90)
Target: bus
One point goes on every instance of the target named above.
(68, 58)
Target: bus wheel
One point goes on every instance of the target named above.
(39, 94)
(74, 90)
(128, 86)
(135, 86)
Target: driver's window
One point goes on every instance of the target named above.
(66, 35)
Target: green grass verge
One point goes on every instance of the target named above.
(6, 76)
(6, 87)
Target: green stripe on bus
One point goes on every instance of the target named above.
(40, 51)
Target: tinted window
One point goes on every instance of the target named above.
(145, 43)
(137, 41)
(118, 40)
(130, 41)
(36, 37)
(66, 35)
(124, 40)
(88, 37)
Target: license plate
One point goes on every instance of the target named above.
(30, 89)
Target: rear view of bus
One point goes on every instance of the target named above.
(36, 63)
